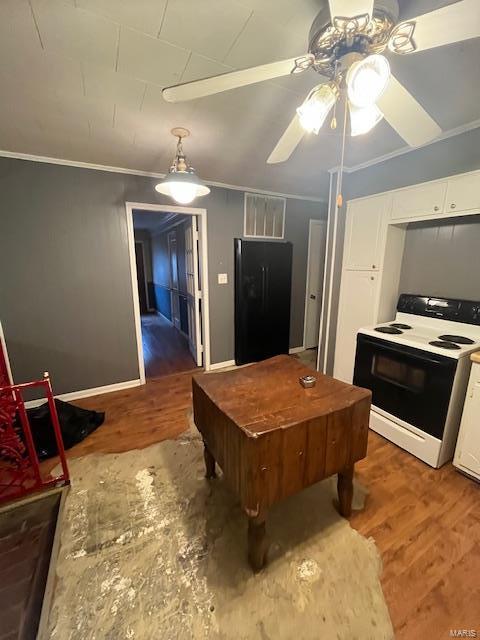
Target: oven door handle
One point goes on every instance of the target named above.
(387, 347)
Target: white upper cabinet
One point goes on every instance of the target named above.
(426, 199)
(463, 194)
(365, 227)
(357, 308)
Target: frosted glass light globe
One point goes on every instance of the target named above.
(367, 80)
(183, 192)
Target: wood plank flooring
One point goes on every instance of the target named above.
(425, 522)
(165, 349)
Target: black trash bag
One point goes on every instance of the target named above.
(75, 423)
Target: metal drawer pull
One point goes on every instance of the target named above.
(453, 205)
(436, 208)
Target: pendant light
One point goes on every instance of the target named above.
(182, 183)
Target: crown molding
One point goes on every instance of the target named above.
(148, 174)
(451, 133)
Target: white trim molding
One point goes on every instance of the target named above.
(87, 393)
(296, 349)
(148, 174)
(222, 365)
(445, 135)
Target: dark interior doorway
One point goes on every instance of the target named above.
(160, 257)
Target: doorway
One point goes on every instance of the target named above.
(313, 292)
(168, 259)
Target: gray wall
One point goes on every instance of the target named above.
(65, 291)
(444, 158)
(443, 258)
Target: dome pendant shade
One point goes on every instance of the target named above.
(182, 183)
(182, 186)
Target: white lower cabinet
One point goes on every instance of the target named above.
(357, 308)
(467, 453)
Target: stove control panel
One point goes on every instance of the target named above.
(465, 311)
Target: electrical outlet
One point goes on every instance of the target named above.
(222, 278)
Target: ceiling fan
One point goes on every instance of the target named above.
(346, 45)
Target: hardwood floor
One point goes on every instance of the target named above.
(165, 349)
(425, 522)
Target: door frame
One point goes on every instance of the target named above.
(307, 282)
(203, 240)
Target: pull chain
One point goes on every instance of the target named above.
(340, 172)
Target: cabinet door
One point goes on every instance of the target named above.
(365, 226)
(468, 454)
(424, 200)
(463, 194)
(357, 308)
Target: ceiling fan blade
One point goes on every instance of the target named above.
(234, 79)
(453, 23)
(340, 9)
(288, 142)
(406, 115)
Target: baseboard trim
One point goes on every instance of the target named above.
(222, 365)
(86, 393)
(296, 349)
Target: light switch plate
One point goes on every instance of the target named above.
(222, 278)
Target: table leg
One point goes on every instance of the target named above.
(209, 462)
(345, 491)
(257, 542)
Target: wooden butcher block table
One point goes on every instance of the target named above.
(272, 437)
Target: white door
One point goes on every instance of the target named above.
(357, 308)
(365, 228)
(194, 294)
(315, 267)
(174, 301)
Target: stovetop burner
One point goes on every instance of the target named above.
(390, 329)
(400, 325)
(444, 344)
(457, 339)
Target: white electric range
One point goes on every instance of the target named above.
(417, 367)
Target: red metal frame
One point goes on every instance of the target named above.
(20, 472)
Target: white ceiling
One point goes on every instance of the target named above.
(82, 79)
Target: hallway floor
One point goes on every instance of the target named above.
(165, 349)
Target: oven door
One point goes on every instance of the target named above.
(408, 383)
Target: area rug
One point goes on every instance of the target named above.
(152, 550)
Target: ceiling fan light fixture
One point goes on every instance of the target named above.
(313, 112)
(367, 80)
(363, 119)
(182, 183)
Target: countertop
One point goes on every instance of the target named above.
(475, 357)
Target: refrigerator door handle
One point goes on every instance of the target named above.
(267, 281)
(264, 286)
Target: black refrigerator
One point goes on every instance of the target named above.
(263, 282)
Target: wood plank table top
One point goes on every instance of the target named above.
(272, 437)
(268, 395)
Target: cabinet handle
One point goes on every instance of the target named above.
(453, 205)
(436, 208)
(373, 266)
(372, 278)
